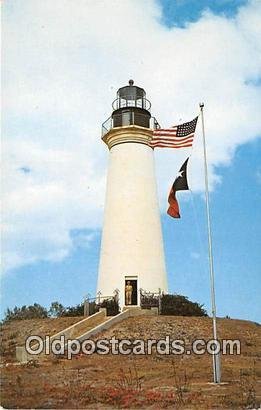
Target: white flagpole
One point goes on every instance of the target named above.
(216, 357)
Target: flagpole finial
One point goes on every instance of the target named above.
(201, 105)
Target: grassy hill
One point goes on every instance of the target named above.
(130, 381)
(15, 332)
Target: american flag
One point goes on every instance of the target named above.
(179, 136)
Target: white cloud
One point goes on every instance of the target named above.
(64, 61)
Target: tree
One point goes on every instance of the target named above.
(34, 311)
(56, 309)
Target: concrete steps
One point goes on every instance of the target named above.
(88, 328)
(126, 313)
(85, 329)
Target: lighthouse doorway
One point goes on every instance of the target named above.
(131, 291)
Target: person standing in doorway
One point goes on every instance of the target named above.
(128, 293)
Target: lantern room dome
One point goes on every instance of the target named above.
(131, 96)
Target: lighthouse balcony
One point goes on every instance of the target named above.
(129, 117)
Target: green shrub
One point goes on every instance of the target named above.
(77, 310)
(110, 304)
(149, 301)
(112, 307)
(179, 305)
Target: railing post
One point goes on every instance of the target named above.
(99, 297)
(159, 301)
(88, 308)
(86, 305)
(141, 295)
(116, 295)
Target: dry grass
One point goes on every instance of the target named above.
(15, 332)
(154, 382)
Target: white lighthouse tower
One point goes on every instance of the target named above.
(132, 254)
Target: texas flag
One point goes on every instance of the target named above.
(180, 184)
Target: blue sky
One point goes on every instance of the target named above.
(56, 164)
(180, 12)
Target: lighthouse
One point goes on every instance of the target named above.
(132, 253)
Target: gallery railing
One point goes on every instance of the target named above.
(93, 304)
(129, 118)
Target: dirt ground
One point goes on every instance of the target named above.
(150, 382)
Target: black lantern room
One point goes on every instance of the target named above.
(131, 107)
